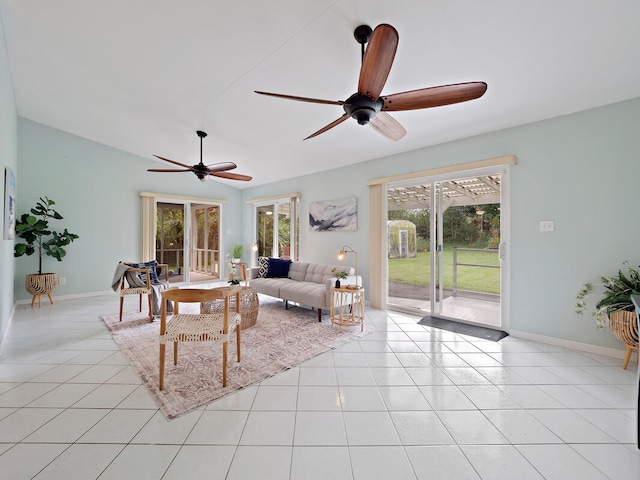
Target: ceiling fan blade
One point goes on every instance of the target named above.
(330, 126)
(302, 99)
(388, 126)
(434, 96)
(231, 176)
(173, 161)
(221, 166)
(377, 61)
(168, 170)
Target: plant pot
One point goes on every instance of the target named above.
(41, 284)
(624, 327)
(235, 260)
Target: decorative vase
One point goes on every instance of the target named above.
(624, 327)
(338, 283)
(41, 284)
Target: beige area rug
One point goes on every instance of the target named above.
(280, 340)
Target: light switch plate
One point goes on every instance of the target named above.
(546, 226)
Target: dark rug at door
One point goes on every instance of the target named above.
(464, 328)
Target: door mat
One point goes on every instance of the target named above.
(464, 328)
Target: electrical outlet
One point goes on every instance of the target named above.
(546, 225)
(62, 280)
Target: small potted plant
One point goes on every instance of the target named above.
(236, 253)
(340, 275)
(38, 237)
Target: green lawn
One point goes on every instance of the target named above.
(416, 270)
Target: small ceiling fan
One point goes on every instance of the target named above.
(366, 106)
(202, 171)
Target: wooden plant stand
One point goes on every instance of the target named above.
(38, 285)
(624, 327)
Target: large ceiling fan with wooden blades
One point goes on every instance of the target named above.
(366, 106)
(202, 171)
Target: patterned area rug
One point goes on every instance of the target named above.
(280, 340)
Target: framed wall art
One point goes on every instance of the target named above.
(334, 215)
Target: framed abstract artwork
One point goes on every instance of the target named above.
(334, 215)
(9, 205)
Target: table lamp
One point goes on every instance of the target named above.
(348, 249)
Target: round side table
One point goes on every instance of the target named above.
(347, 307)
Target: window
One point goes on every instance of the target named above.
(276, 228)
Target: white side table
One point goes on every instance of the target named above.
(347, 307)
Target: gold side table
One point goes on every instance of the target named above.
(347, 307)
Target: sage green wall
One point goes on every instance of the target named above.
(9, 156)
(96, 189)
(579, 170)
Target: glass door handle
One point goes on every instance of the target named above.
(502, 251)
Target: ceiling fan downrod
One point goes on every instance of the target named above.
(362, 35)
(358, 106)
(201, 134)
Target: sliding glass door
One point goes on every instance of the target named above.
(444, 243)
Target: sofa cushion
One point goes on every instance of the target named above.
(278, 268)
(297, 271)
(318, 273)
(269, 286)
(263, 266)
(305, 293)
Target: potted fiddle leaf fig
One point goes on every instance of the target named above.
(40, 238)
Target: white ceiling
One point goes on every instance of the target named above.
(144, 75)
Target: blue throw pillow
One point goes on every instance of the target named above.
(152, 271)
(278, 268)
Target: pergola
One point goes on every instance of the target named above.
(480, 190)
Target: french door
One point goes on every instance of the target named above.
(188, 240)
(446, 252)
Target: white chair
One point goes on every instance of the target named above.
(199, 327)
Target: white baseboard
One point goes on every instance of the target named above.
(27, 301)
(561, 342)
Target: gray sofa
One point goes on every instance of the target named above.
(305, 283)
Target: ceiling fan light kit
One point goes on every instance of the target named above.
(367, 107)
(202, 171)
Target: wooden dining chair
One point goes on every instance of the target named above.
(139, 279)
(199, 327)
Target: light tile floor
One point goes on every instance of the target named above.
(405, 402)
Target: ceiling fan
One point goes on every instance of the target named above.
(366, 106)
(202, 171)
